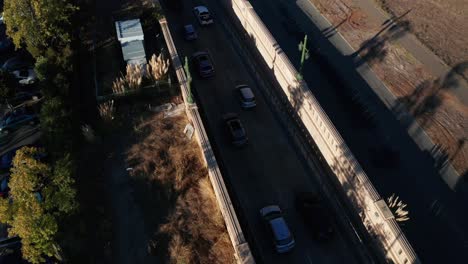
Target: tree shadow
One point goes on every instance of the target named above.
(424, 101)
(374, 49)
(332, 30)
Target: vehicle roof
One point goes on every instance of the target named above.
(199, 53)
(201, 9)
(246, 92)
(189, 28)
(280, 228)
(270, 209)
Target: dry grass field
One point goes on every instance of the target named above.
(442, 115)
(195, 227)
(440, 24)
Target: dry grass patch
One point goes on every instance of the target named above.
(440, 25)
(195, 226)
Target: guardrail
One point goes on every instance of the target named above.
(241, 247)
(354, 182)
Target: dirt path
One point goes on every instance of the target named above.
(130, 234)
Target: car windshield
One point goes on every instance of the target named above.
(236, 125)
(205, 15)
(284, 241)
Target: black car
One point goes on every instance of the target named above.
(316, 215)
(235, 129)
(18, 62)
(203, 64)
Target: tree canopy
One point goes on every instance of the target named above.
(38, 23)
(39, 196)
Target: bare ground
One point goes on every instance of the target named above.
(439, 24)
(442, 115)
(194, 230)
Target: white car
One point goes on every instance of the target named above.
(275, 223)
(25, 76)
(203, 15)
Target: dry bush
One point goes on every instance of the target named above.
(180, 252)
(157, 67)
(107, 110)
(195, 226)
(130, 81)
(134, 76)
(119, 86)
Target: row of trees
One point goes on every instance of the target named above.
(42, 193)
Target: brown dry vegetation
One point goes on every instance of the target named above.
(442, 115)
(195, 227)
(439, 24)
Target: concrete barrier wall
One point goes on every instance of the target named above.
(374, 212)
(241, 247)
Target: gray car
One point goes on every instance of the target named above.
(203, 64)
(235, 129)
(279, 230)
(246, 96)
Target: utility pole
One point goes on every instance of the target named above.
(304, 55)
(189, 81)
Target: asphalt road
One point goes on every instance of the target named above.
(438, 228)
(269, 169)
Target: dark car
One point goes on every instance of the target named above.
(189, 32)
(4, 187)
(235, 129)
(7, 159)
(6, 44)
(18, 62)
(246, 96)
(16, 119)
(203, 64)
(316, 215)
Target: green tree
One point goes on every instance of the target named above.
(56, 125)
(39, 197)
(39, 23)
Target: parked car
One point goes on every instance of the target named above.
(23, 99)
(17, 63)
(315, 214)
(246, 96)
(274, 221)
(189, 32)
(4, 190)
(235, 129)
(7, 159)
(16, 119)
(25, 76)
(203, 15)
(203, 64)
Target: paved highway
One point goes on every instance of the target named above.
(269, 169)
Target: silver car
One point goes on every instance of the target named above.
(275, 223)
(203, 15)
(246, 96)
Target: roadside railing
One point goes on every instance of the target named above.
(354, 182)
